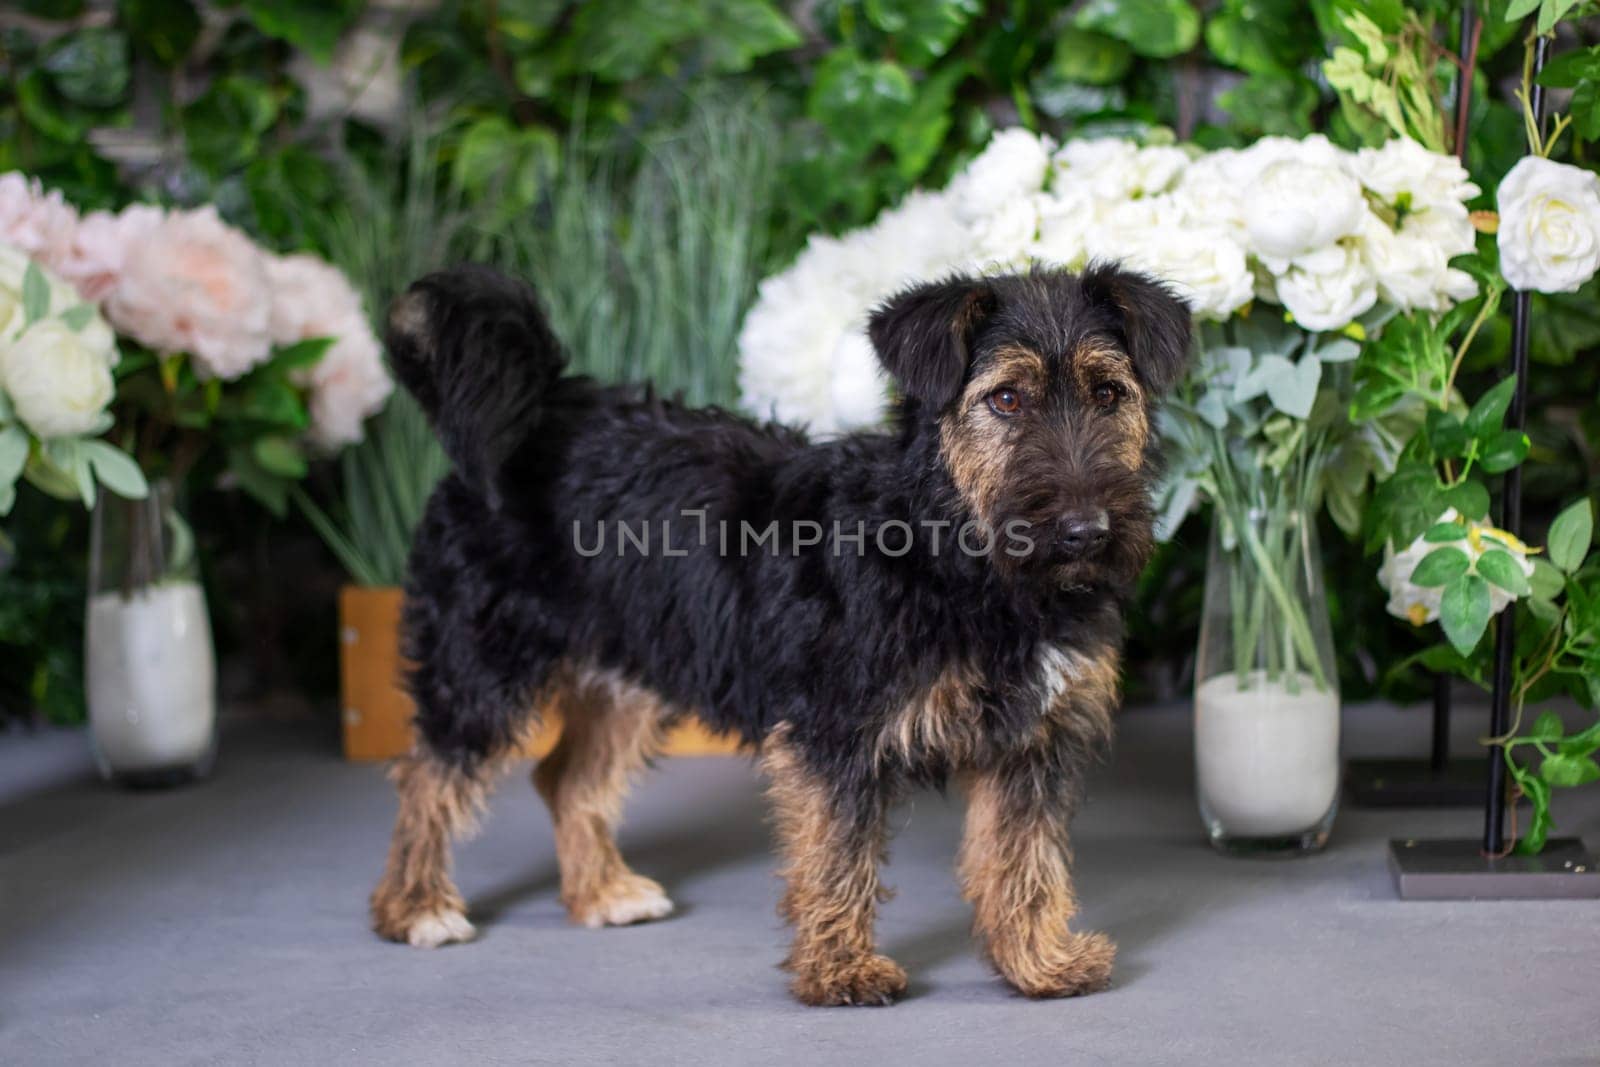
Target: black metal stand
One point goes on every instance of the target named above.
(1453, 870)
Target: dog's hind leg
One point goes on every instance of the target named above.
(415, 901)
(610, 729)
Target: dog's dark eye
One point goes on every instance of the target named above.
(1005, 401)
(1106, 395)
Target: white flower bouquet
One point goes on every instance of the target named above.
(1291, 253)
(230, 356)
(56, 360)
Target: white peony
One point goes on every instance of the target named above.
(1329, 289)
(1409, 177)
(59, 380)
(1420, 604)
(1411, 272)
(1066, 214)
(859, 391)
(1294, 208)
(1005, 237)
(1549, 226)
(1112, 169)
(1011, 167)
(13, 269)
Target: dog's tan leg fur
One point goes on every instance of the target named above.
(610, 730)
(1015, 870)
(830, 864)
(415, 901)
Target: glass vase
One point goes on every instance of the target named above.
(1266, 696)
(149, 664)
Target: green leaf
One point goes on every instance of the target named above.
(1503, 451)
(510, 163)
(78, 316)
(738, 32)
(1570, 69)
(116, 470)
(1490, 410)
(1538, 793)
(280, 456)
(1519, 9)
(1440, 567)
(35, 294)
(90, 67)
(269, 491)
(1159, 29)
(923, 132)
(1563, 771)
(922, 30)
(223, 127)
(1444, 532)
(303, 354)
(1464, 612)
(313, 26)
(1547, 727)
(1581, 743)
(1446, 435)
(1292, 387)
(1089, 58)
(1502, 570)
(861, 102)
(165, 28)
(14, 445)
(1546, 582)
(1279, 105)
(1470, 498)
(1570, 536)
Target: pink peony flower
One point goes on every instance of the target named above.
(39, 223)
(311, 298)
(100, 247)
(195, 284)
(348, 384)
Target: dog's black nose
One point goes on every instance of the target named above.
(1082, 532)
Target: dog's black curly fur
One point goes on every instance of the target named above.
(865, 670)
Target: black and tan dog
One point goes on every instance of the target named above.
(870, 613)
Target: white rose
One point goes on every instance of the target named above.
(1294, 208)
(1406, 175)
(1447, 228)
(1327, 290)
(57, 381)
(1243, 166)
(1549, 226)
(1011, 167)
(1420, 604)
(1065, 215)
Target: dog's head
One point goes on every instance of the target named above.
(1041, 390)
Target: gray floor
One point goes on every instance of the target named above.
(224, 924)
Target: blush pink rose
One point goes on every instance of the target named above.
(195, 284)
(100, 246)
(39, 223)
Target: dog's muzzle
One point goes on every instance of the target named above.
(1081, 534)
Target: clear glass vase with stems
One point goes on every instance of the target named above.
(1266, 684)
(149, 663)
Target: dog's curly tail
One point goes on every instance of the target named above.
(472, 345)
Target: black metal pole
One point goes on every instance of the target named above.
(1494, 814)
(1439, 752)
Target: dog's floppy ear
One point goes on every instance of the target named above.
(923, 335)
(1155, 323)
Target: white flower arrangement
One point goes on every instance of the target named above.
(56, 357)
(1326, 233)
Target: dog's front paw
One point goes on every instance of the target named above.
(424, 929)
(1080, 964)
(871, 981)
(630, 899)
